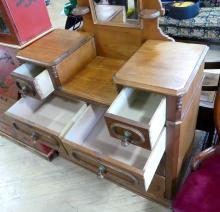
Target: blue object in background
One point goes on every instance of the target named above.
(183, 12)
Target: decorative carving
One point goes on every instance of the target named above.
(179, 103)
(25, 3)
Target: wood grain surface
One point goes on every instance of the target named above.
(53, 47)
(94, 82)
(163, 67)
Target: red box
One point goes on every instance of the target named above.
(22, 20)
(8, 63)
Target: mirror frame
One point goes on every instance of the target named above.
(126, 25)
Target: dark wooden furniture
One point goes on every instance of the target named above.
(205, 119)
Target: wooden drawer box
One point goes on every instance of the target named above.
(45, 121)
(25, 140)
(66, 53)
(136, 117)
(33, 80)
(89, 144)
(35, 135)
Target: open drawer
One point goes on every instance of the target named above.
(45, 121)
(89, 144)
(33, 80)
(136, 117)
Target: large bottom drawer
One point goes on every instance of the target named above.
(33, 134)
(24, 140)
(89, 144)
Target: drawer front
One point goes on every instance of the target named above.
(33, 81)
(127, 133)
(136, 117)
(7, 129)
(26, 88)
(109, 171)
(35, 135)
(5, 103)
(102, 169)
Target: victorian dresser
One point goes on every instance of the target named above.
(117, 97)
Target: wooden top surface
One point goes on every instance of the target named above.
(162, 66)
(53, 47)
(95, 81)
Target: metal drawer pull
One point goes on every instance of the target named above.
(127, 137)
(23, 89)
(35, 136)
(15, 126)
(101, 170)
(79, 156)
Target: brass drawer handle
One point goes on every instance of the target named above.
(101, 170)
(102, 167)
(127, 137)
(34, 137)
(24, 90)
(15, 126)
(45, 139)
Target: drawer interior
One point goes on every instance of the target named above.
(136, 116)
(91, 133)
(54, 115)
(135, 105)
(31, 78)
(29, 70)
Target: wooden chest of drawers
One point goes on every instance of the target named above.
(123, 108)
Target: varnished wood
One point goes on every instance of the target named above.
(95, 82)
(58, 45)
(128, 38)
(180, 137)
(198, 159)
(76, 62)
(24, 140)
(151, 69)
(156, 66)
(151, 29)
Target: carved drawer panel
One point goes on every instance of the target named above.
(5, 103)
(89, 144)
(33, 80)
(136, 117)
(34, 134)
(45, 121)
(25, 140)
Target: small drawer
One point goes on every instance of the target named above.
(89, 144)
(45, 121)
(35, 135)
(40, 148)
(136, 117)
(33, 80)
